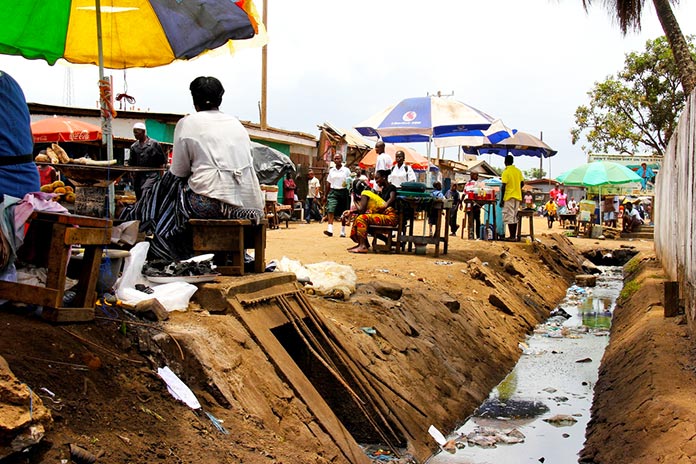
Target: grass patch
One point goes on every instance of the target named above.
(629, 289)
(632, 266)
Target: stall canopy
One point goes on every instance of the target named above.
(58, 130)
(411, 157)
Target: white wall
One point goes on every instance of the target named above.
(675, 209)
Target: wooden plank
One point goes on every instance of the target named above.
(89, 275)
(257, 323)
(671, 299)
(87, 236)
(30, 294)
(74, 219)
(68, 314)
(57, 258)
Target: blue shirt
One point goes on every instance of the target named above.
(15, 140)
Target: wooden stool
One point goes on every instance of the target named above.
(386, 231)
(525, 213)
(93, 234)
(227, 239)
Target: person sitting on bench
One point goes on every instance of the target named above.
(373, 210)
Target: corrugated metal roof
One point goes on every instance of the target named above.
(351, 136)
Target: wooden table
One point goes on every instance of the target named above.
(65, 230)
(411, 238)
(469, 204)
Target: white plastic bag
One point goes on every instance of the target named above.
(132, 269)
(174, 296)
(327, 278)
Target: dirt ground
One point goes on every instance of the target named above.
(109, 400)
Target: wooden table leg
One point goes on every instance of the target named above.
(260, 249)
(448, 215)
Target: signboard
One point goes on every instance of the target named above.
(626, 159)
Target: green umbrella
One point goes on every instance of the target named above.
(598, 173)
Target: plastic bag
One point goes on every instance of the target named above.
(174, 296)
(326, 278)
(132, 269)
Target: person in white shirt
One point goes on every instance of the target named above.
(384, 161)
(213, 151)
(313, 196)
(631, 218)
(401, 172)
(338, 199)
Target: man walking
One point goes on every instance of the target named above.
(511, 195)
(338, 199)
(145, 152)
(313, 195)
(384, 161)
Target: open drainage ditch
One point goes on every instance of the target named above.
(540, 410)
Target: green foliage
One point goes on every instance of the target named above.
(534, 173)
(637, 109)
(629, 289)
(498, 170)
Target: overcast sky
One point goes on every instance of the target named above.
(529, 63)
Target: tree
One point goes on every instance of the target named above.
(637, 109)
(534, 173)
(628, 14)
(498, 170)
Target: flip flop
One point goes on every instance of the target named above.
(328, 234)
(358, 251)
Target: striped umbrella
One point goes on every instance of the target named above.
(127, 33)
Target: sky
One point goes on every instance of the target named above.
(529, 63)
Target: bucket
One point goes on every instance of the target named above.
(420, 249)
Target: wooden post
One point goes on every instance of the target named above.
(670, 301)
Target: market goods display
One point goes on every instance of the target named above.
(63, 192)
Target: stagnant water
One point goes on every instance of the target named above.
(555, 376)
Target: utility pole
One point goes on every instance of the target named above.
(264, 70)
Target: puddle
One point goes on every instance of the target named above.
(555, 376)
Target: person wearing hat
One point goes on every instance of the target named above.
(145, 152)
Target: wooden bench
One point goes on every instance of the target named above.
(51, 236)
(228, 239)
(388, 233)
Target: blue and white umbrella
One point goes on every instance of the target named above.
(422, 119)
(520, 144)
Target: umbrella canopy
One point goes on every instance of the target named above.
(57, 129)
(520, 144)
(421, 118)
(135, 33)
(411, 157)
(598, 173)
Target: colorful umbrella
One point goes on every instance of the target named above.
(421, 118)
(411, 157)
(520, 144)
(134, 33)
(57, 129)
(598, 173)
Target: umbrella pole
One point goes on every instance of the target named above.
(105, 120)
(428, 175)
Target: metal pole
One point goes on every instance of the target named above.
(105, 120)
(541, 157)
(264, 71)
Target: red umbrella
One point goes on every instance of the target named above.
(411, 157)
(57, 129)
